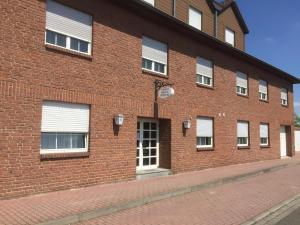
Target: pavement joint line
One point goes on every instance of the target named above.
(287, 204)
(105, 211)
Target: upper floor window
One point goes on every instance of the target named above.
(204, 72)
(68, 28)
(284, 96)
(241, 84)
(263, 90)
(65, 127)
(264, 134)
(155, 56)
(151, 2)
(230, 36)
(195, 18)
(242, 133)
(204, 132)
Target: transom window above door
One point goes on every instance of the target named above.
(68, 28)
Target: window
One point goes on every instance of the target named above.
(204, 72)
(195, 18)
(65, 127)
(284, 97)
(230, 37)
(241, 84)
(264, 134)
(155, 56)
(243, 134)
(263, 90)
(204, 132)
(68, 28)
(151, 2)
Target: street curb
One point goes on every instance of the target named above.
(273, 212)
(83, 216)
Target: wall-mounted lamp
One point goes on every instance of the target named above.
(187, 124)
(119, 119)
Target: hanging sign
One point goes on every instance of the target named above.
(166, 92)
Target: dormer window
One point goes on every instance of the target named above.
(195, 18)
(151, 2)
(230, 37)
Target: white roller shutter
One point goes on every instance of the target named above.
(284, 94)
(204, 127)
(68, 21)
(242, 129)
(65, 117)
(263, 86)
(155, 50)
(229, 37)
(204, 67)
(195, 18)
(241, 80)
(264, 131)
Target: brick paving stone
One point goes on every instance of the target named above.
(44, 207)
(229, 204)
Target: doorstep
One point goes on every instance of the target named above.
(146, 174)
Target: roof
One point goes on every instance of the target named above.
(222, 7)
(164, 19)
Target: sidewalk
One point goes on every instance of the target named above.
(88, 203)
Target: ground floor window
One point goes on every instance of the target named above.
(204, 132)
(264, 134)
(242, 133)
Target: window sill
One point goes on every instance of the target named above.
(205, 86)
(241, 95)
(68, 51)
(152, 73)
(265, 101)
(243, 147)
(265, 146)
(205, 149)
(286, 106)
(64, 155)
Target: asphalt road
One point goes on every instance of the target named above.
(291, 219)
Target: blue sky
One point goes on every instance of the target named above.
(275, 34)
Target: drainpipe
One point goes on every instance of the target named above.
(216, 23)
(174, 8)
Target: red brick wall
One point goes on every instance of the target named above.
(112, 82)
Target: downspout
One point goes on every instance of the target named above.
(216, 23)
(174, 8)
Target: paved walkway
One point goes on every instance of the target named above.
(81, 204)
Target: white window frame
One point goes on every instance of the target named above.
(247, 138)
(284, 102)
(66, 150)
(264, 144)
(211, 138)
(228, 30)
(261, 93)
(240, 88)
(153, 66)
(203, 76)
(47, 128)
(199, 13)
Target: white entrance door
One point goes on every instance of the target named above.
(297, 140)
(147, 154)
(283, 148)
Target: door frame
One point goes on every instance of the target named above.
(141, 167)
(286, 141)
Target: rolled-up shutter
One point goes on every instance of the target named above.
(155, 50)
(204, 67)
(204, 127)
(264, 131)
(242, 129)
(284, 94)
(241, 80)
(263, 86)
(68, 21)
(65, 117)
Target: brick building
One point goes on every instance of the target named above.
(78, 95)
